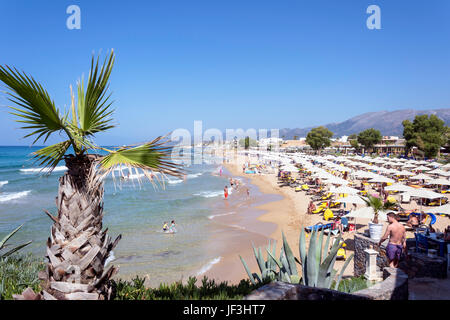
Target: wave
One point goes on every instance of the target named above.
(13, 195)
(175, 181)
(220, 215)
(209, 194)
(208, 266)
(135, 176)
(2, 183)
(237, 227)
(194, 175)
(111, 258)
(43, 170)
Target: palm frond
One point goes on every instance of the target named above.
(50, 156)
(150, 157)
(34, 105)
(94, 106)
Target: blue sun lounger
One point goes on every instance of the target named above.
(318, 227)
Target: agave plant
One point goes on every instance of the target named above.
(3, 244)
(77, 248)
(378, 205)
(317, 265)
(266, 267)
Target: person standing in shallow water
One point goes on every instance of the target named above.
(225, 192)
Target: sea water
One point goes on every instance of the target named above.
(136, 211)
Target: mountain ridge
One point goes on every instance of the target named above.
(388, 122)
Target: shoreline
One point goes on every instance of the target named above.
(289, 220)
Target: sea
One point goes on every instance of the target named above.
(135, 210)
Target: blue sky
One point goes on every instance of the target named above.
(233, 64)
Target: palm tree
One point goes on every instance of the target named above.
(78, 247)
(378, 205)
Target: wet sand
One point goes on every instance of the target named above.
(288, 213)
(280, 212)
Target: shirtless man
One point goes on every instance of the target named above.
(397, 240)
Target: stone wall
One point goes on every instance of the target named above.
(286, 291)
(362, 243)
(419, 265)
(393, 287)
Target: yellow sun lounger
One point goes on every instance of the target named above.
(318, 210)
(391, 199)
(335, 204)
(328, 214)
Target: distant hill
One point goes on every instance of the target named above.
(388, 122)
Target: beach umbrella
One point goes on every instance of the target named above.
(421, 176)
(367, 213)
(439, 172)
(381, 179)
(335, 180)
(364, 174)
(435, 164)
(344, 189)
(405, 173)
(398, 187)
(423, 193)
(421, 168)
(351, 199)
(445, 209)
(441, 182)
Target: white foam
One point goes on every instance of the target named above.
(237, 227)
(43, 170)
(220, 215)
(2, 183)
(194, 175)
(111, 258)
(135, 176)
(175, 181)
(208, 266)
(209, 194)
(13, 195)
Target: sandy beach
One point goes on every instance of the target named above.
(288, 215)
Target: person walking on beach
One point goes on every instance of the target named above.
(397, 240)
(248, 193)
(225, 192)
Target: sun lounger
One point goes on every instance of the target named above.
(318, 227)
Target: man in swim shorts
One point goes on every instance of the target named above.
(397, 240)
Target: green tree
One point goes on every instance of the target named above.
(77, 248)
(319, 138)
(378, 205)
(354, 143)
(368, 138)
(427, 133)
(248, 142)
(295, 137)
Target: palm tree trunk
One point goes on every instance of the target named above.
(78, 248)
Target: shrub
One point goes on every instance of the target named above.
(17, 272)
(353, 284)
(209, 290)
